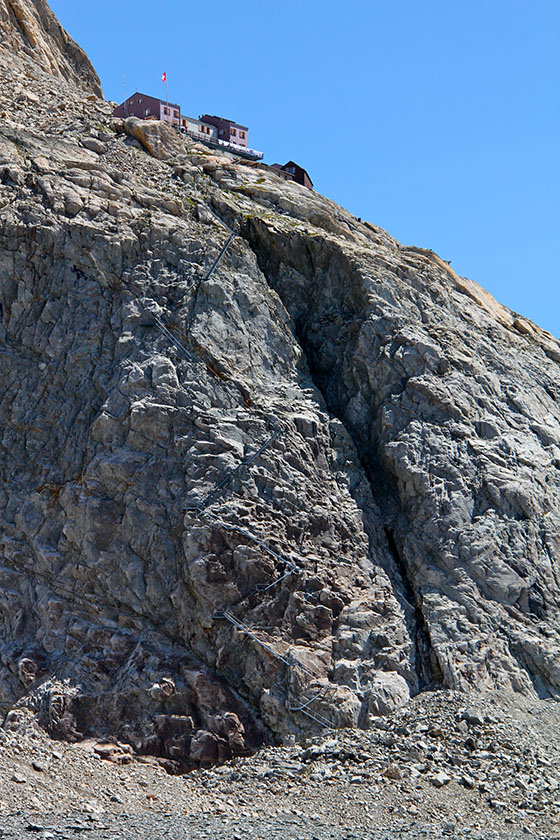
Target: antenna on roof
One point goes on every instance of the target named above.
(124, 85)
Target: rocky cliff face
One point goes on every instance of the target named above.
(29, 28)
(251, 490)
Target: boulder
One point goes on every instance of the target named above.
(156, 137)
(387, 692)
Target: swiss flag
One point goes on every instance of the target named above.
(164, 77)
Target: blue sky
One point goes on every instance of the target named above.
(437, 119)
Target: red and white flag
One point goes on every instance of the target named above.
(164, 77)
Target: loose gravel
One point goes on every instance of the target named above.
(446, 765)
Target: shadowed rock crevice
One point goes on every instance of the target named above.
(344, 322)
(395, 383)
(429, 672)
(138, 498)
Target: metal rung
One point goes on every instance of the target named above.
(303, 708)
(263, 587)
(255, 638)
(305, 670)
(251, 537)
(232, 472)
(321, 693)
(318, 718)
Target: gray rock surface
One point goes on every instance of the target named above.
(29, 28)
(245, 499)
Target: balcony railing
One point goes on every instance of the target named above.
(243, 151)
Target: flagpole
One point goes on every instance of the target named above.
(167, 98)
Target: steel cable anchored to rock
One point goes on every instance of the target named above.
(223, 393)
(200, 509)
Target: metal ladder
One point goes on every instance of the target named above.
(317, 688)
